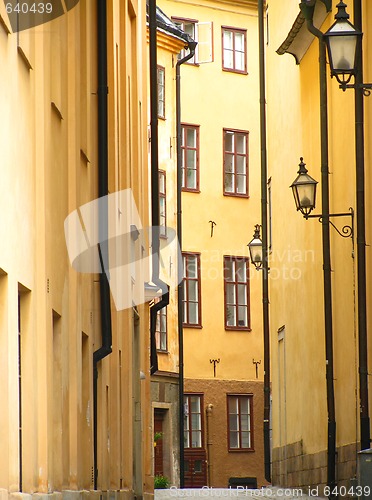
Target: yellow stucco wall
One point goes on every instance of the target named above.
(49, 168)
(298, 360)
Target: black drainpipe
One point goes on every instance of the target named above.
(155, 214)
(365, 439)
(265, 263)
(328, 320)
(191, 46)
(106, 330)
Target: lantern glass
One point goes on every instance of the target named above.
(342, 44)
(304, 191)
(255, 248)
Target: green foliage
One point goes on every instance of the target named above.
(161, 482)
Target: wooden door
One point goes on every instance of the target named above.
(195, 468)
(158, 455)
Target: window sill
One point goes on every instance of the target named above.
(241, 450)
(186, 190)
(160, 351)
(236, 71)
(236, 195)
(237, 329)
(186, 325)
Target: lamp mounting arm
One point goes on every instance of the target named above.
(364, 86)
(347, 231)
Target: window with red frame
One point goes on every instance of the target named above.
(162, 204)
(190, 158)
(235, 163)
(193, 421)
(234, 50)
(161, 330)
(240, 422)
(191, 290)
(236, 280)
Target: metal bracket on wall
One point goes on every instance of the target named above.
(347, 231)
(214, 361)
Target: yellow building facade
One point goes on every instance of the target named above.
(165, 381)
(297, 325)
(75, 369)
(222, 330)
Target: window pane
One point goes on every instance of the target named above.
(161, 182)
(193, 313)
(242, 316)
(228, 59)
(242, 295)
(163, 342)
(189, 28)
(191, 179)
(239, 61)
(241, 143)
(193, 290)
(241, 184)
(187, 440)
(230, 294)
(240, 269)
(244, 423)
(192, 269)
(229, 141)
(239, 42)
(196, 439)
(233, 422)
(191, 138)
(229, 183)
(231, 315)
(191, 158)
(246, 441)
(233, 440)
(244, 405)
(227, 39)
(195, 422)
(233, 405)
(229, 270)
(240, 165)
(195, 404)
(229, 163)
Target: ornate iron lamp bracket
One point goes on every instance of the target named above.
(366, 87)
(347, 231)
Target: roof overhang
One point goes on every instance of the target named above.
(299, 37)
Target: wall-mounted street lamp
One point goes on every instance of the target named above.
(304, 192)
(343, 42)
(255, 248)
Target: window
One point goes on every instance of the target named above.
(162, 204)
(240, 424)
(191, 290)
(234, 54)
(190, 158)
(161, 330)
(235, 163)
(193, 421)
(161, 92)
(189, 26)
(236, 278)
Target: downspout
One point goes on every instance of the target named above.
(265, 270)
(192, 47)
(106, 331)
(155, 213)
(328, 320)
(361, 243)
